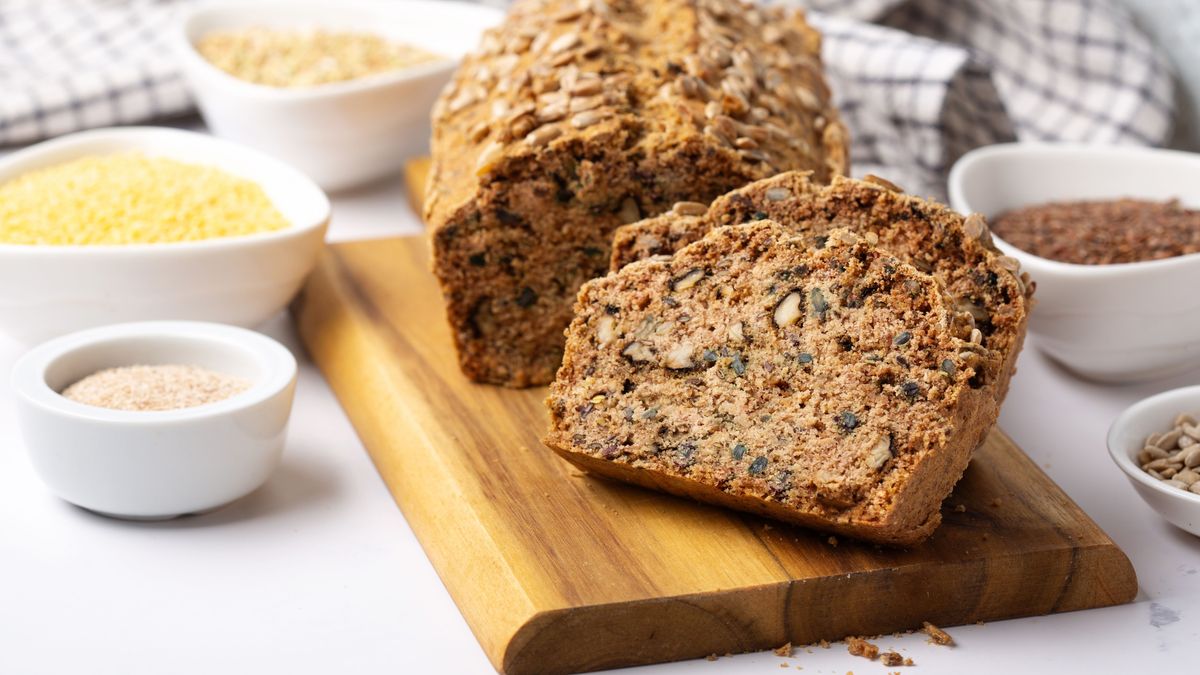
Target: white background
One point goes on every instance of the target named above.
(318, 572)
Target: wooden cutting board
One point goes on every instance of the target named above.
(557, 571)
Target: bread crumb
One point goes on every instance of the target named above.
(711, 657)
(860, 647)
(909, 662)
(891, 659)
(784, 650)
(832, 541)
(939, 636)
(960, 508)
(823, 644)
(784, 664)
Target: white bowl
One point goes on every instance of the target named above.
(345, 133)
(1127, 436)
(160, 464)
(1114, 323)
(51, 290)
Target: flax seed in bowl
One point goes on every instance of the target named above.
(1119, 302)
(1102, 232)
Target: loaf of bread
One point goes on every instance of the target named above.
(957, 251)
(575, 117)
(827, 387)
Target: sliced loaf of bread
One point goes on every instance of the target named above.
(829, 387)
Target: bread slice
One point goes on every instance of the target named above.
(957, 251)
(827, 387)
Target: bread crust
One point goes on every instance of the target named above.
(890, 533)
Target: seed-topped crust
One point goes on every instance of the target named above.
(830, 387)
(574, 117)
(989, 287)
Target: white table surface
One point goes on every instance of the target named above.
(318, 572)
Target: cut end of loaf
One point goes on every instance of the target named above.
(833, 387)
(571, 119)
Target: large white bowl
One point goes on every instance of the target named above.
(345, 133)
(1115, 323)
(51, 290)
(1127, 436)
(159, 464)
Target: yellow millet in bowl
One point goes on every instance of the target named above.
(131, 198)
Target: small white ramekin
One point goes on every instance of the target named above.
(157, 464)
(51, 290)
(1111, 323)
(1127, 436)
(343, 133)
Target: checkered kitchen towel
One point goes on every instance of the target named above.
(67, 65)
(919, 81)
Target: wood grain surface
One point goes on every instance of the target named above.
(557, 571)
(416, 174)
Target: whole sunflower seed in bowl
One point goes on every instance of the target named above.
(1158, 449)
(1174, 456)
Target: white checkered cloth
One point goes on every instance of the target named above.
(67, 65)
(919, 82)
